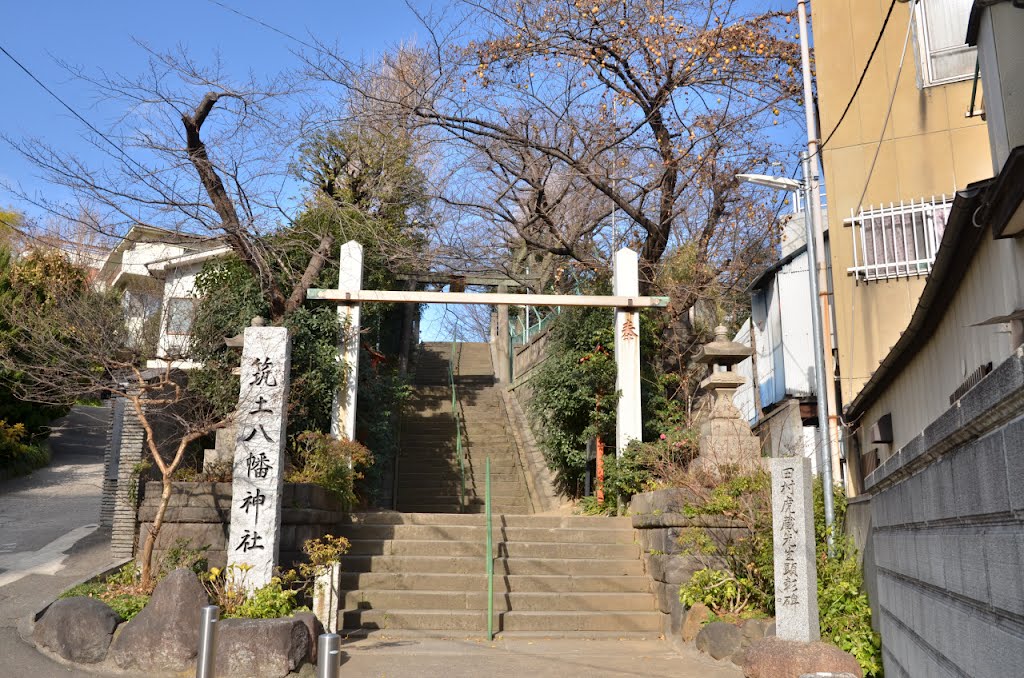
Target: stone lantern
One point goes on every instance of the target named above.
(725, 437)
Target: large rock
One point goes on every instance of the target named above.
(719, 639)
(261, 648)
(315, 628)
(165, 635)
(774, 658)
(695, 618)
(756, 629)
(78, 629)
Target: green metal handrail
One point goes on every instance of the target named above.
(458, 430)
(490, 554)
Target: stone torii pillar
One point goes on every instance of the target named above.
(350, 279)
(626, 283)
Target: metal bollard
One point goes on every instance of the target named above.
(207, 640)
(328, 656)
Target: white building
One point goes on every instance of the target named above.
(779, 398)
(156, 269)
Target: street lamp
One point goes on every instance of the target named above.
(778, 183)
(821, 383)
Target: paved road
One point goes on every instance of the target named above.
(45, 513)
(48, 534)
(379, 657)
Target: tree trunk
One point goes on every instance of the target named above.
(154, 531)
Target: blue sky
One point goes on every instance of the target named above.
(102, 34)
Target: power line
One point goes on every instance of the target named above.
(265, 25)
(70, 109)
(863, 74)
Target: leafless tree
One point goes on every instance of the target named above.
(196, 151)
(642, 109)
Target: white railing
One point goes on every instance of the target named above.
(898, 241)
(798, 200)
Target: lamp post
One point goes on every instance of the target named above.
(820, 381)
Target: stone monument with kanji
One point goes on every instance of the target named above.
(257, 480)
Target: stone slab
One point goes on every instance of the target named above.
(255, 534)
(796, 579)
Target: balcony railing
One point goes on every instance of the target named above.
(898, 241)
(797, 201)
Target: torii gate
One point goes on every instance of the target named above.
(625, 300)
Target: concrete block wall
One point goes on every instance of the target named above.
(947, 514)
(201, 513)
(111, 455)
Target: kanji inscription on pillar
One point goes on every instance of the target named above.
(796, 576)
(254, 537)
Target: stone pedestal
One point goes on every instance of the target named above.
(796, 577)
(326, 596)
(223, 452)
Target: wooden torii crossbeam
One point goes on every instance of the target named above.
(625, 299)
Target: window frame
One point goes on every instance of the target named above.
(923, 49)
(193, 302)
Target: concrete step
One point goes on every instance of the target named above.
(412, 581)
(438, 475)
(377, 599)
(450, 466)
(499, 492)
(570, 567)
(551, 623)
(511, 520)
(478, 533)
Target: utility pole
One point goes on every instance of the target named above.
(830, 437)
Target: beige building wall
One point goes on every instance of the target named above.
(928, 148)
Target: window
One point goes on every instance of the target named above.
(180, 312)
(898, 241)
(941, 31)
(141, 305)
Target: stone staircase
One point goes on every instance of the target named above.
(422, 570)
(553, 576)
(428, 467)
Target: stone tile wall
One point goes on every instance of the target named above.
(201, 513)
(948, 538)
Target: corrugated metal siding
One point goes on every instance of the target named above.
(794, 297)
(744, 397)
(992, 286)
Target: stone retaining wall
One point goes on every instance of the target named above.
(657, 516)
(201, 513)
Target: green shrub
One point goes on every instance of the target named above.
(325, 550)
(624, 476)
(271, 601)
(332, 464)
(119, 590)
(18, 457)
(183, 554)
(739, 580)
